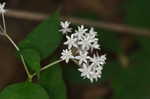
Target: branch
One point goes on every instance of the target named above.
(120, 28)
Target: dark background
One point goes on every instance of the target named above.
(126, 74)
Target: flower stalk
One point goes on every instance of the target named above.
(4, 33)
(48, 66)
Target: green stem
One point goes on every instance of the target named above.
(15, 45)
(49, 65)
(30, 78)
(25, 67)
(22, 58)
(4, 23)
(1, 30)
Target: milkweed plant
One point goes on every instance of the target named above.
(81, 42)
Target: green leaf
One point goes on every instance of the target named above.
(32, 59)
(42, 42)
(45, 38)
(24, 90)
(51, 79)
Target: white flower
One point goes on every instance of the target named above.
(87, 71)
(82, 57)
(99, 69)
(71, 42)
(96, 71)
(95, 45)
(2, 5)
(80, 32)
(86, 42)
(103, 59)
(65, 27)
(98, 60)
(92, 32)
(66, 55)
(95, 75)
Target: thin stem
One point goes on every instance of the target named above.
(10, 39)
(1, 28)
(49, 65)
(22, 58)
(4, 33)
(4, 23)
(26, 69)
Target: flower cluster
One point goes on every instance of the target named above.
(81, 43)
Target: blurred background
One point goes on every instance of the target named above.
(124, 30)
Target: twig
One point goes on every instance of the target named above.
(4, 33)
(13, 43)
(120, 28)
(22, 58)
(48, 66)
(4, 23)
